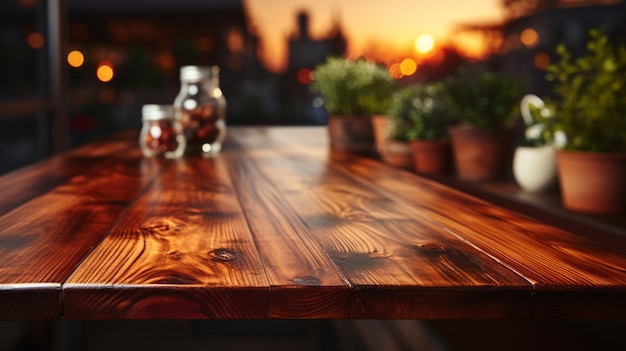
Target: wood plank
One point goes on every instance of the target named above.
(304, 281)
(557, 262)
(562, 266)
(26, 183)
(183, 251)
(609, 230)
(43, 240)
(383, 248)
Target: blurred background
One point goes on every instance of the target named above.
(72, 71)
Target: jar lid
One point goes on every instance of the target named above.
(196, 73)
(153, 112)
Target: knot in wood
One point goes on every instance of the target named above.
(175, 255)
(222, 254)
(431, 248)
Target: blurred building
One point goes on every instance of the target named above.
(306, 52)
(148, 41)
(525, 43)
(143, 42)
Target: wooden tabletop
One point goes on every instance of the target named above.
(279, 226)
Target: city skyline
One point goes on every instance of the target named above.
(387, 29)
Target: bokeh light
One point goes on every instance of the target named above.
(105, 71)
(529, 37)
(75, 58)
(408, 66)
(304, 76)
(395, 71)
(542, 60)
(35, 40)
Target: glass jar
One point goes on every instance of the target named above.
(202, 108)
(161, 132)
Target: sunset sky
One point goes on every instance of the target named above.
(388, 26)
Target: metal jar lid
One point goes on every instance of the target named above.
(197, 73)
(154, 112)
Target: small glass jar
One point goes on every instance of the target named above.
(202, 108)
(162, 132)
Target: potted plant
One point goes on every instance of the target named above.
(590, 110)
(425, 123)
(534, 159)
(485, 103)
(391, 142)
(353, 91)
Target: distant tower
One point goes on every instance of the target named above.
(337, 42)
(303, 25)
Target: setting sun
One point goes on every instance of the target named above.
(424, 43)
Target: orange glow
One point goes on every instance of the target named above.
(35, 40)
(424, 44)
(235, 40)
(408, 67)
(437, 58)
(75, 58)
(542, 60)
(105, 71)
(304, 76)
(398, 23)
(395, 71)
(529, 37)
(167, 61)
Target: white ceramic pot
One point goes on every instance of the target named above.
(534, 168)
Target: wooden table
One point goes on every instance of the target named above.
(279, 226)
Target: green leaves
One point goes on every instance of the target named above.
(417, 112)
(353, 87)
(482, 98)
(590, 107)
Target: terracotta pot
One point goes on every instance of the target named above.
(352, 133)
(480, 154)
(431, 156)
(592, 182)
(395, 153)
(380, 128)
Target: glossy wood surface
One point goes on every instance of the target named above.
(280, 226)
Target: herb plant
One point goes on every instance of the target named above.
(351, 87)
(481, 98)
(417, 112)
(590, 104)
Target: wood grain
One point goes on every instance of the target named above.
(556, 262)
(183, 250)
(304, 281)
(42, 240)
(383, 248)
(278, 225)
(26, 183)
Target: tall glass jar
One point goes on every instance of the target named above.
(201, 107)
(161, 132)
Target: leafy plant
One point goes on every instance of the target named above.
(351, 87)
(417, 112)
(590, 105)
(482, 98)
